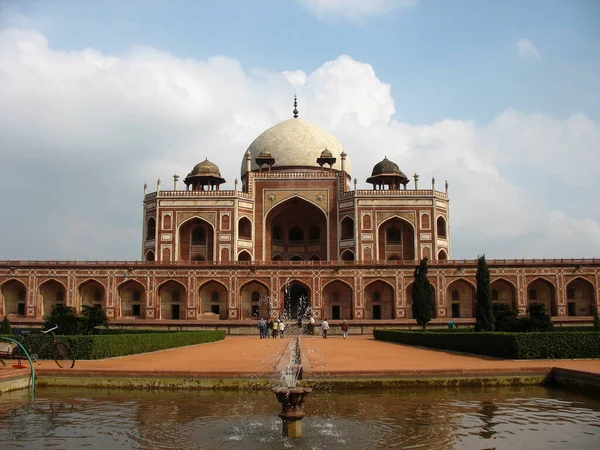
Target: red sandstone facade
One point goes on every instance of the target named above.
(294, 239)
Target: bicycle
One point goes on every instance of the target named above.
(62, 354)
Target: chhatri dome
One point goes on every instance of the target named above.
(296, 143)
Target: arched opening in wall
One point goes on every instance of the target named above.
(132, 300)
(347, 228)
(53, 293)
(366, 222)
(255, 299)
(213, 301)
(409, 301)
(296, 258)
(337, 301)
(244, 228)
(396, 240)
(461, 299)
(167, 222)
(173, 300)
(581, 300)
(442, 256)
(379, 301)
(314, 234)
(92, 293)
(296, 300)
(244, 256)
(14, 293)
(347, 255)
(151, 229)
(426, 253)
(196, 240)
(441, 227)
(166, 255)
(504, 292)
(225, 222)
(314, 258)
(425, 224)
(224, 255)
(296, 227)
(150, 255)
(542, 291)
(367, 254)
(277, 258)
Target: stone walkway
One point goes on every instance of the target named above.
(248, 356)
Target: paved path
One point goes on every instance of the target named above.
(355, 356)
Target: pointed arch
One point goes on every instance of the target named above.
(296, 302)
(347, 228)
(314, 257)
(14, 293)
(542, 290)
(347, 255)
(172, 299)
(255, 299)
(244, 228)
(461, 298)
(581, 298)
(380, 299)
(504, 291)
(151, 229)
(212, 304)
(442, 255)
(53, 292)
(150, 256)
(396, 239)
(244, 255)
(91, 292)
(442, 232)
(196, 240)
(338, 300)
(132, 299)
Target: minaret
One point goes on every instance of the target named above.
(416, 177)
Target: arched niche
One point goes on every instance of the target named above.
(460, 297)
(296, 300)
(244, 228)
(347, 255)
(213, 301)
(150, 255)
(14, 293)
(53, 293)
(296, 227)
(581, 300)
(172, 296)
(132, 300)
(92, 293)
(441, 228)
(504, 292)
(255, 299)
(396, 240)
(196, 240)
(442, 255)
(151, 229)
(347, 228)
(379, 301)
(338, 301)
(542, 291)
(244, 256)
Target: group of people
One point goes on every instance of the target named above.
(276, 328)
(271, 329)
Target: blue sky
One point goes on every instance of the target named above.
(502, 98)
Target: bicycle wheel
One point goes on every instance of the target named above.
(63, 355)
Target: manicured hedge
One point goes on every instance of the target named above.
(504, 345)
(107, 346)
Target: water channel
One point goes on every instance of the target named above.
(484, 418)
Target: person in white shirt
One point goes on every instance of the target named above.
(325, 328)
(281, 329)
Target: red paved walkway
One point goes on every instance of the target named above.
(355, 356)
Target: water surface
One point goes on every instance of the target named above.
(485, 418)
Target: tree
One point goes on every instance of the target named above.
(92, 317)
(596, 319)
(538, 319)
(66, 319)
(5, 327)
(507, 319)
(483, 298)
(422, 296)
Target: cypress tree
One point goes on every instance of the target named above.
(422, 296)
(483, 298)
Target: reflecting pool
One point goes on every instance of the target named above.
(486, 418)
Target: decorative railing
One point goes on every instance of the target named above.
(315, 174)
(457, 263)
(395, 193)
(228, 193)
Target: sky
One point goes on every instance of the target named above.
(501, 99)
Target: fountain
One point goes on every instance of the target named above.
(291, 396)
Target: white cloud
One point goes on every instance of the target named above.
(352, 10)
(527, 49)
(82, 131)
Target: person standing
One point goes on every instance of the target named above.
(262, 328)
(325, 328)
(311, 326)
(281, 329)
(269, 330)
(275, 328)
(345, 329)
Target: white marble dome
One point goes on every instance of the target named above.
(296, 143)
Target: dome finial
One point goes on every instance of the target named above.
(295, 111)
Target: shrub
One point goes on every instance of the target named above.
(92, 317)
(507, 319)
(596, 319)
(63, 316)
(504, 345)
(108, 346)
(5, 327)
(538, 318)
